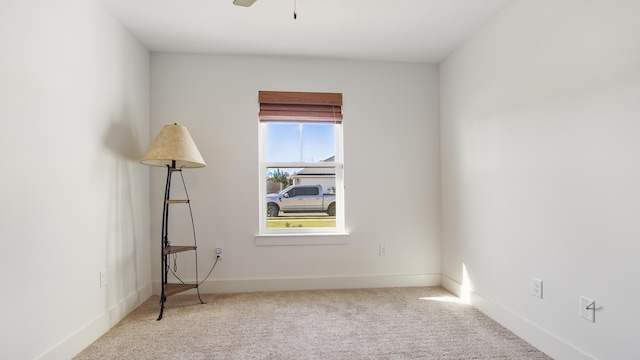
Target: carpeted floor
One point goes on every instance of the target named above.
(389, 323)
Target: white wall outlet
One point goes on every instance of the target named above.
(536, 287)
(103, 278)
(219, 253)
(587, 309)
(382, 250)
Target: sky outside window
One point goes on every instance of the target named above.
(297, 142)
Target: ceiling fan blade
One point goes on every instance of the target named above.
(245, 3)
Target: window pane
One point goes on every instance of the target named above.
(301, 197)
(297, 142)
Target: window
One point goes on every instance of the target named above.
(301, 177)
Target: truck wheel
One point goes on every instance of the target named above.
(331, 210)
(272, 210)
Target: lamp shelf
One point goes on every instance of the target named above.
(172, 289)
(176, 249)
(177, 201)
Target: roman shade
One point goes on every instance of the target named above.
(300, 106)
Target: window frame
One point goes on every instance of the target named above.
(285, 236)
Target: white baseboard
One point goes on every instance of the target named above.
(86, 335)
(453, 287)
(542, 339)
(314, 283)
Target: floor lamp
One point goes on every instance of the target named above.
(174, 149)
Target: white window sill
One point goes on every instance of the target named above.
(302, 239)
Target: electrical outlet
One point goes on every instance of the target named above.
(103, 278)
(536, 287)
(219, 253)
(382, 250)
(587, 309)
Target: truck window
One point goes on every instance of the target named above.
(310, 191)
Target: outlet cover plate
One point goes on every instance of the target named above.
(587, 309)
(536, 287)
(103, 278)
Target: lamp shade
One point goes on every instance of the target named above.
(173, 143)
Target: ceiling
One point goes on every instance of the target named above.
(424, 31)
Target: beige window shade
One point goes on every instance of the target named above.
(300, 106)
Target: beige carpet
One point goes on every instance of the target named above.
(391, 323)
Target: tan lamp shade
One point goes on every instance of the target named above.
(173, 143)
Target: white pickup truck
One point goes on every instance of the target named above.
(301, 199)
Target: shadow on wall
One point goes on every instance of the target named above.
(120, 140)
(123, 233)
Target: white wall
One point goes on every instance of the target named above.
(74, 106)
(391, 169)
(540, 172)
